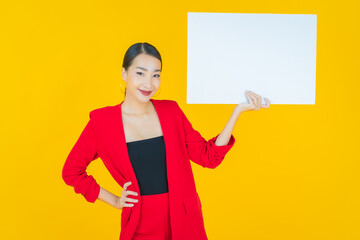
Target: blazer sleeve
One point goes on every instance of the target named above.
(83, 152)
(201, 151)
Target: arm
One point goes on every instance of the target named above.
(81, 155)
(109, 198)
(207, 153)
(226, 134)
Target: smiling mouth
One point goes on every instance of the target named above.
(146, 93)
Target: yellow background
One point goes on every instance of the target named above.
(293, 172)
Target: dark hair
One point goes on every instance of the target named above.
(139, 48)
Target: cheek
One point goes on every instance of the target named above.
(135, 82)
(157, 83)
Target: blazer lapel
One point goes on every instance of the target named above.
(166, 129)
(169, 129)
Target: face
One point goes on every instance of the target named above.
(142, 77)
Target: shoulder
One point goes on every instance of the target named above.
(166, 103)
(103, 112)
(170, 106)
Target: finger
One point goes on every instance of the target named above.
(250, 97)
(256, 100)
(132, 193)
(131, 199)
(128, 205)
(126, 185)
(251, 101)
(267, 103)
(254, 94)
(123, 201)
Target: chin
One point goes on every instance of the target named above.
(143, 98)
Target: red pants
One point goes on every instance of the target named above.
(154, 218)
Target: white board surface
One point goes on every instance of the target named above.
(273, 55)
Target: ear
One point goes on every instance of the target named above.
(123, 74)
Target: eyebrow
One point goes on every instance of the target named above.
(156, 70)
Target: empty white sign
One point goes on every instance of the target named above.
(273, 55)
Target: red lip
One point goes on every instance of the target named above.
(146, 93)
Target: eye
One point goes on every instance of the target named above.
(157, 75)
(139, 72)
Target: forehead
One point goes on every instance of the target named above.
(146, 61)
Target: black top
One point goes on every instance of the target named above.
(148, 158)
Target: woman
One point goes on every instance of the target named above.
(146, 145)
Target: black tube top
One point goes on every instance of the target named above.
(148, 159)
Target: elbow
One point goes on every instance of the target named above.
(70, 173)
(211, 166)
(213, 163)
(66, 175)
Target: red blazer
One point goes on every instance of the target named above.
(104, 137)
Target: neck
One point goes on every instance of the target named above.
(134, 107)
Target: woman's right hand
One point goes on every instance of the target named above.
(121, 201)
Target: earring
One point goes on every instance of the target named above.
(159, 92)
(121, 87)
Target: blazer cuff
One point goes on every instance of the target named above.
(221, 151)
(93, 192)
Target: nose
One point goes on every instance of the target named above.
(147, 83)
